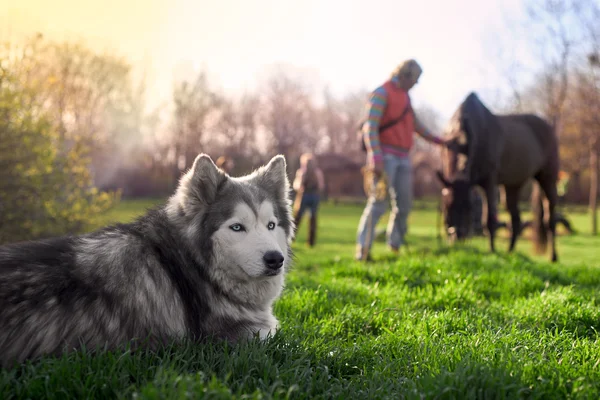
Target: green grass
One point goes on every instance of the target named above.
(437, 322)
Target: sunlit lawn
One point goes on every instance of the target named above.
(437, 322)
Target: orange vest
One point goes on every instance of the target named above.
(401, 134)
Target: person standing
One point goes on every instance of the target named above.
(309, 183)
(226, 163)
(388, 156)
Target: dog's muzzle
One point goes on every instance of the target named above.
(273, 260)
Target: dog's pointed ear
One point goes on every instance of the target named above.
(204, 180)
(442, 179)
(273, 177)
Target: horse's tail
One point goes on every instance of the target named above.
(540, 230)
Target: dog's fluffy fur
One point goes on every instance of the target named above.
(209, 263)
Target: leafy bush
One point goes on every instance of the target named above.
(45, 183)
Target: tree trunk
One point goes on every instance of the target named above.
(594, 188)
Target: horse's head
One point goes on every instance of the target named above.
(456, 206)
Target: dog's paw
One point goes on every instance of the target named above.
(268, 331)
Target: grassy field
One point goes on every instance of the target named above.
(435, 322)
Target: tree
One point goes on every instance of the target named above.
(44, 190)
(89, 97)
(353, 106)
(196, 105)
(431, 118)
(563, 85)
(331, 121)
(236, 127)
(590, 96)
(288, 119)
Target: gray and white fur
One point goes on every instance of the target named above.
(207, 264)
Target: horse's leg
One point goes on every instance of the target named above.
(492, 210)
(548, 184)
(561, 219)
(512, 205)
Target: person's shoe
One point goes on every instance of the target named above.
(360, 256)
(395, 250)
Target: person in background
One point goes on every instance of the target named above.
(226, 164)
(309, 184)
(388, 166)
(562, 187)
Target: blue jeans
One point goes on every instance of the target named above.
(399, 176)
(309, 201)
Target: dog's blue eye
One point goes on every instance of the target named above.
(271, 226)
(237, 228)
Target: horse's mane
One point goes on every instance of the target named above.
(476, 126)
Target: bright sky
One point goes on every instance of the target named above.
(346, 45)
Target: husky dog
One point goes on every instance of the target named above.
(207, 264)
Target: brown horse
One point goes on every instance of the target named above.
(492, 150)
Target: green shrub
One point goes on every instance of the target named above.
(45, 182)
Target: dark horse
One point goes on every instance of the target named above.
(492, 150)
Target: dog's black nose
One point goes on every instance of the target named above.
(273, 259)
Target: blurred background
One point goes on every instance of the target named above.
(108, 100)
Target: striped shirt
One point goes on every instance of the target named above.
(376, 107)
(375, 110)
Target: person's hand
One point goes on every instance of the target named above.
(452, 145)
(377, 168)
